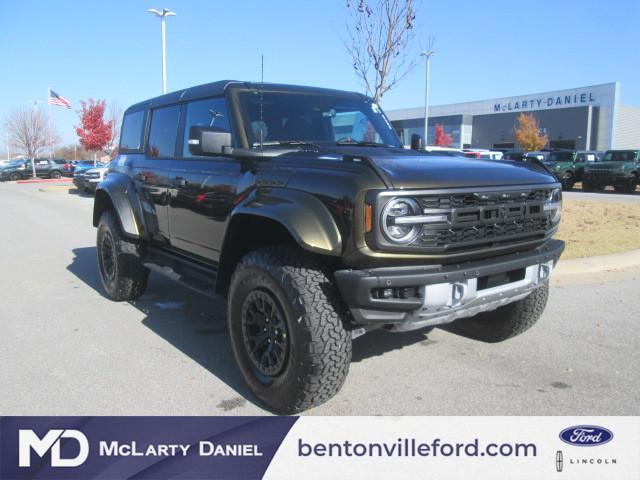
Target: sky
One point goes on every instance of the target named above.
(484, 49)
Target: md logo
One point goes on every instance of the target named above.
(28, 440)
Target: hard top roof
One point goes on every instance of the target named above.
(218, 88)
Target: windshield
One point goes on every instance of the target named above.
(279, 118)
(14, 163)
(561, 157)
(620, 156)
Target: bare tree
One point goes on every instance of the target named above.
(30, 133)
(115, 116)
(380, 33)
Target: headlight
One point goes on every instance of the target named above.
(391, 222)
(553, 205)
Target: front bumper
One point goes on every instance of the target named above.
(445, 293)
(606, 178)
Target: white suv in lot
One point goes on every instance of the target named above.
(482, 153)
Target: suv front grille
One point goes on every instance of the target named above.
(482, 218)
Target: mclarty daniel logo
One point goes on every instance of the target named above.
(28, 441)
(586, 435)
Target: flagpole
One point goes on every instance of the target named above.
(50, 127)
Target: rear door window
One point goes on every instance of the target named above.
(163, 132)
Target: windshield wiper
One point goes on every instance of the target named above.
(361, 143)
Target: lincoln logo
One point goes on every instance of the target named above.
(28, 440)
(586, 435)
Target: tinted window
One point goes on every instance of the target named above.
(163, 132)
(561, 157)
(620, 156)
(131, 136)
(211, 112)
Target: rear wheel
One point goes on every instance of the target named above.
(287, 334)
(119, 261)
(508, 321)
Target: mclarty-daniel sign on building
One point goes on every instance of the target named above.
(582, 118)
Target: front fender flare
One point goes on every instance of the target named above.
(305, 217)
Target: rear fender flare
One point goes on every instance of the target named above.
(118, 193)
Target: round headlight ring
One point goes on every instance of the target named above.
(396, 208)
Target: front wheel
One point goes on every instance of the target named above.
(631, 184)
(14, 176)
(55, 174)
(119, 261)
(508, 321)
(568, 181)
(286, 328)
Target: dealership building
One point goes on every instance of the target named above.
(583, 118)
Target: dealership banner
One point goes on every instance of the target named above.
(320, 447)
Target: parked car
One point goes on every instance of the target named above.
(620, 168)
(80, 170)
(482, 154)
(568, 165)
(541, 155)
(514, 155)
(45, 168)
(315, 239)
(15, 170)
(92, 177)
(444, 151)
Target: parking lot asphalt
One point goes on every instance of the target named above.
(65, 349)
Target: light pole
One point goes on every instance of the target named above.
(427, 54)
(162, 14)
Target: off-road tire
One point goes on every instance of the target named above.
(631, 184)
(319, 348)
(14, 176)
(568, 181)
(508, 321)
(128, 278)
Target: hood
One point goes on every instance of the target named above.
(408, 169)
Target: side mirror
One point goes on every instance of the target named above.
(208, 141)
(416, 142)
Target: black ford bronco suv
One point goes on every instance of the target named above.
(302, 207)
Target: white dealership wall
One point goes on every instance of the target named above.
(604, 96)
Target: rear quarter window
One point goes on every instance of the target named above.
(131, 136)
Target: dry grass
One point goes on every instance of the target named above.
(594, 228)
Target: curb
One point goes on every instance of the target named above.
(45, 180)
(602, 263)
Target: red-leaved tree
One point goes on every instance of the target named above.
(94, 132)
(442, 139)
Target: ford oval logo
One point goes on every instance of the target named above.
(586, 435)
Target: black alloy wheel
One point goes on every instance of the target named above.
(266, 337)
(107, 257)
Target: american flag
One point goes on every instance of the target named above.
(55, 99)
